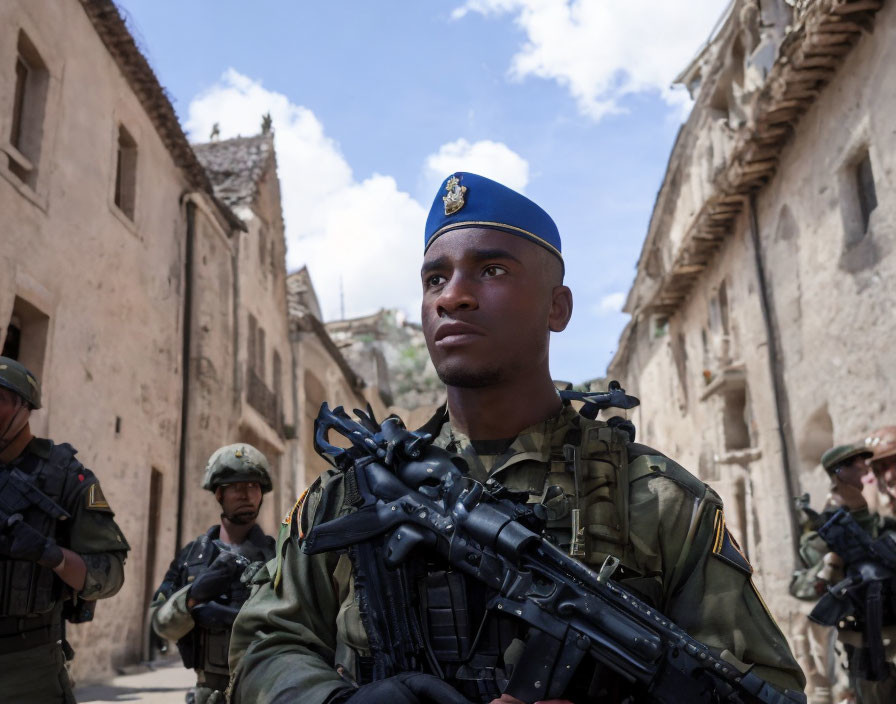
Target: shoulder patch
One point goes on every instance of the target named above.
(725, 547)
(96, 500)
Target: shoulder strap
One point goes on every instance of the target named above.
(644, 461)
(62, 454)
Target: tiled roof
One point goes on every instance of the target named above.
(112, 30)
(235, 166)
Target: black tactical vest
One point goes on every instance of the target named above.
(26, 588)
(206, 649)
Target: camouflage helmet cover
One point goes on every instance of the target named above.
(239, 462)
(843, 454)
(17, 378)
(882, 442)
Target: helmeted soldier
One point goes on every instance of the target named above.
(206, 583)
(60, 548)
(492, 279)
(847, 465)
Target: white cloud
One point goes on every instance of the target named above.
(495, 160)
(611, 303)
(365, 235)
(603, 50)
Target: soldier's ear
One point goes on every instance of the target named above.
(219, 495)
(561, 308)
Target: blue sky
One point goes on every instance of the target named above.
(373, 103)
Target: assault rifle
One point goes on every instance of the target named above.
(864, 599)
(19, 493)
(409, 493)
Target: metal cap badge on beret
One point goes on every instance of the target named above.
(840, 455)
(470, 200)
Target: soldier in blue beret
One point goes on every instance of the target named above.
(492, 279)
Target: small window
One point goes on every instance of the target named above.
(858, 197)
(126, 173)
(12, 343)
(660, 326)
(262, 248)
(26, 336)
(259, 359)
(29, 101)
(864, 179)
(18, 106)
(253, 341)
(278, 378)
(737, 432)
(680, 356)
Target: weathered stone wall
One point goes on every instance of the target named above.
(318, 378)
(261, 266)
(697, 348)
(110, 288)
(101, 292)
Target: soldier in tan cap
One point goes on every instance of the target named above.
(847, 464)
(882, 443)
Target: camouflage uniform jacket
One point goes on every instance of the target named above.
(807, 583)
(812, 582)
(665, 525)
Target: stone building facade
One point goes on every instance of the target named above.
(762, 323)
(256, 372)
(320, 373)
(131, 272)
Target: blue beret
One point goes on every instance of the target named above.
(469, 200)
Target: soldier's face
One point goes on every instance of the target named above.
(240, 501)
(885, 471)
(853, 472)
(490, 300)
(14, 414)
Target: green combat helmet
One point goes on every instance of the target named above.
(843, 454)
(15, 377)
(239, 462)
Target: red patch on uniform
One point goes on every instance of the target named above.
(80, 477)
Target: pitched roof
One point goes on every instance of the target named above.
(235, 166)
(112, 30)
(303, 311)
(301, 298)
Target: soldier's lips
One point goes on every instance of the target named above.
(456, 334)
(457, 340)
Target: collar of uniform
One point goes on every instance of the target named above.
(255, 535)
(533, 443)
(40, 447)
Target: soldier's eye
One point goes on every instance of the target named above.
(493, 270)
(435, 280)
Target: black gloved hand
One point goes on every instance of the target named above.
(218, 578)
(214, 616)
(407, 688)
(20, 541)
